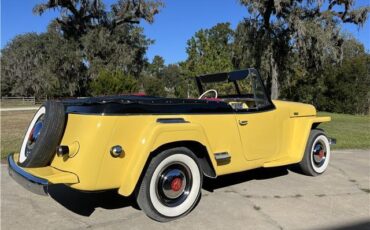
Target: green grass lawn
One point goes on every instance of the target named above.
(13, 128)
(18, 104)
(351, 132)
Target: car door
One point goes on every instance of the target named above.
(257, 121)
(258, 134)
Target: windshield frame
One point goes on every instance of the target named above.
(233, 78)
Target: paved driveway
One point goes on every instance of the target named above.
(259, 199)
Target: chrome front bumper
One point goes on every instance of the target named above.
(28, 181)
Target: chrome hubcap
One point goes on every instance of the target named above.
(174, 184)
(319, 153)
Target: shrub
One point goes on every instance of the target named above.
(113, 82)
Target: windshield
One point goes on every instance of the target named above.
(237, 87)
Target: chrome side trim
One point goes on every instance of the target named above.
(171, 120)
(222, 158)
(28, 181)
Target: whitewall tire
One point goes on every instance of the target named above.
(39, 115)
(43, 135)
(317, 154)
(171, 186)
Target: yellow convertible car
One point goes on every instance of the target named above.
(160, 149)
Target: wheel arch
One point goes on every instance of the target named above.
(197, 148)
(312, 123)
(315, 125)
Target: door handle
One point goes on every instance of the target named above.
(242, 123)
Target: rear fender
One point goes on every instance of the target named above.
(158, 135)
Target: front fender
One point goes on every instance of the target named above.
(295, 147)
(302, 129)
(156, 135)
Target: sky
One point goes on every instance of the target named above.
(173, 26)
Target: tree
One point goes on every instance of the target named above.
(80, 16)
(210, 50)
(339, 87)
(347, 85)
(108, 39)
(19, 68)
(156, 67)
(122, 50)
(42, 66)
(83, 41)
(280, 27)
(113, 83)
(154, 87)
(65, 63)
(164, 80)
(175, 81)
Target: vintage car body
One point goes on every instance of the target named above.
(224, 140)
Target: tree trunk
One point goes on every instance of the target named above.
(274, 78)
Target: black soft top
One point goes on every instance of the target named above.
(131, 104)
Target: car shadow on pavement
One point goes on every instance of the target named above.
(236, 178)
(361, 225)
(85, 203)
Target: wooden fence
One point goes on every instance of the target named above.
(20, 101)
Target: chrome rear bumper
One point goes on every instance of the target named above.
(28, 181)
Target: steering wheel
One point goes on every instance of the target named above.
(208, 91)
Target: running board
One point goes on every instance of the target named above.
(222, 158)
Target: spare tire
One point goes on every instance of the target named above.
(43, 135)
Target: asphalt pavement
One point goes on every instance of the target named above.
(276, 198)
